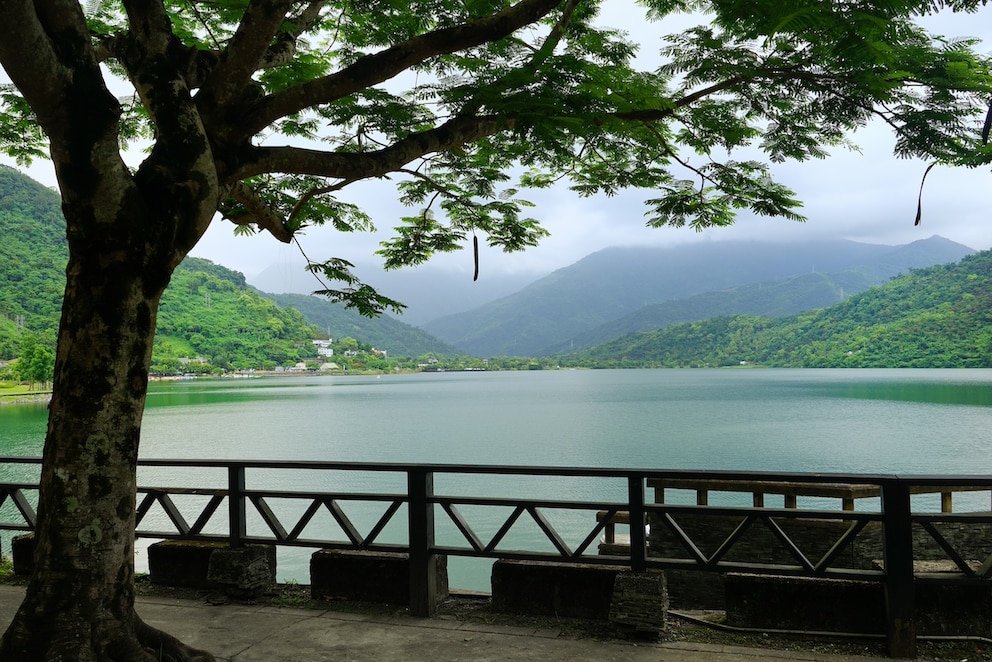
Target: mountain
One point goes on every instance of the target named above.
(938, 317)
(33, 255)
(777, 298)
(207, 310)
(615, 282)
(384, 332)
(427, 292)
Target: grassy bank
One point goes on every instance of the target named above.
(11, 392)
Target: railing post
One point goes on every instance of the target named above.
(635, 492)
(236, 504)
(900, 592)
(423, 564)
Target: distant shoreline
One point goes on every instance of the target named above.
(25, 398)
(44, 397)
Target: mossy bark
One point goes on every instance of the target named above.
(80, 601)
(126, 233)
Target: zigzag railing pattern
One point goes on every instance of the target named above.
(15, 494)
(17, 512)
(877, 526)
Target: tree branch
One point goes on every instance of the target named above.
(364, 165)
(150, 26)
(202, 65)
(254, 211)
(40, 77)
(650, 114)
(440, 190)
(45, 48)
(240, 59)
(771, 73)
(378, 67)
(284, 49)
(540, 56)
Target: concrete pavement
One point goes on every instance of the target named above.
(247, 633)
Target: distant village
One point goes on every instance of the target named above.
(325, 352)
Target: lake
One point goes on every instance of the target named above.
(871, 421)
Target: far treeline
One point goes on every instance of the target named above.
(938, 317)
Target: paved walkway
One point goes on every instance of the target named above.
(245, 633)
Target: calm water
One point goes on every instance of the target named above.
(884, 421)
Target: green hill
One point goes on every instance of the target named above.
(33, 256)
(555, 312)
(383, 332)
(938, 317)
(777, 298)
(208, 311)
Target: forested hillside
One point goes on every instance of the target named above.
(778, 298)
(207, 311)
(210, 312)
(384, 332)
(33, 255)
(935, 317)
(557, 310)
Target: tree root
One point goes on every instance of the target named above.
(25, 642)
(165, 647)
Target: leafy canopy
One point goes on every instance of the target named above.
(465, 105)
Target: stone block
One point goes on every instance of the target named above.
(554, 589)
(181, 562)
(639, 607)
(954, 611)
(22, 554)
(243, 572)
(804, 603)
(695, 589)
(834, 605)
(368, 575)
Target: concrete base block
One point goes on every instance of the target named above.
(365, 575)
(835, 605)
(803, 603)
(243, 572)
(692, 589)
(181, 562)
(640, 604)
(22, 554)
(954, 610)
(554, 589)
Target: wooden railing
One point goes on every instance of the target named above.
(790, 491)
(236, 510)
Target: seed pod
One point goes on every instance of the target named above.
(475, 251)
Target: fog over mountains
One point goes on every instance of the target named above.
(619, 290)
(606, 295)
(428, 292)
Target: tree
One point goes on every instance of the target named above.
(35, 361)
(449, 97)
(347, 344)
(36, 364)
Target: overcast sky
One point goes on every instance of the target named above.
(868, 196)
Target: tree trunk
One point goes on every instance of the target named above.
(80, 600)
